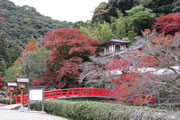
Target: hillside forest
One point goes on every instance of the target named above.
(60, 54)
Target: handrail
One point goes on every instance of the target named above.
(78, 92)
(100, 92)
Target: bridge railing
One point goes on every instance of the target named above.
(101, 92)
(79, 92)
(25, 99)
(94, 92)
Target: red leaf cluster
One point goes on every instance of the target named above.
(149, 61)
(1, 80)
(69, 67)
(169, 24)
(122, 65)
(2, 20)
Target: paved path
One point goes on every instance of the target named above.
(10, 107)
(1, 105)
(34, 115)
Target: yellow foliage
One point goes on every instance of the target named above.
(28, 20)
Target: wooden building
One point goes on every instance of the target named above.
(114, 45)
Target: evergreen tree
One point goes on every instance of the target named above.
(3, 47)
(3, 53)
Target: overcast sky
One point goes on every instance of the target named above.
(68, 10)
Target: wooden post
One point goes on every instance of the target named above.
(22, 97)
(10, 90)
(10, 98)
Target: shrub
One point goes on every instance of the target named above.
(89, 110)
(6, 101)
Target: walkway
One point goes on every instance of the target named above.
(33, 115)
(9, 107)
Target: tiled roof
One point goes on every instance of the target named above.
(120, 41)
(116, 41)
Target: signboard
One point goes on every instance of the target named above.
(12, 84)
(22, 80)
(36, 94)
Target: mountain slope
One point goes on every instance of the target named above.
(18, 25)
(24, 22)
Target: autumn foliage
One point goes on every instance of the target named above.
(169, 24)
(136, 85)
(127, 83)
(1, 80)
(29, 47)
(69, 48)
(2, 20)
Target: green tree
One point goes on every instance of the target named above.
(79, 24)
(176, 6)
(33, 65)
(100, 13)
(14, 50)
(119, 27)
(3, 53)
(157, 6)
(89, 29)
(122, 5)
(3, 47)
(12, 73)
(103, 32)
(99, 31)
(3, 67)
(141, 17)
(131, 35)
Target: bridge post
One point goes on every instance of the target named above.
(72, 92)
(82, 92)
(60, 92)
(67, 93)
(55, 95)
(16, 99)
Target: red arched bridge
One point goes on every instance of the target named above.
(79, 92)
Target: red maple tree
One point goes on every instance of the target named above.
(169, 24)
(69, 48)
